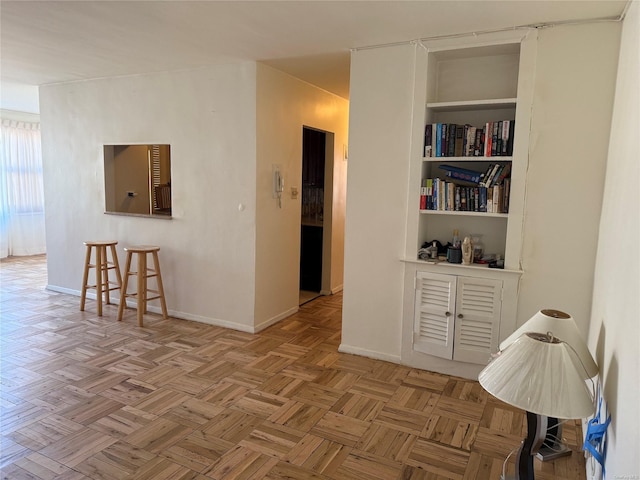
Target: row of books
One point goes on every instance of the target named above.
(452, 140)
(494, 174)
(438, 194)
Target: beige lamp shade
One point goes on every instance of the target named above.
(540, 374)
(563, 327)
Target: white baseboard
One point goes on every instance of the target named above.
(216, 322)
(69, 291)
(276, 319)
(368, 353)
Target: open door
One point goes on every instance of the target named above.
(315, 222)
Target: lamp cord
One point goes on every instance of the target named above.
(504, 464)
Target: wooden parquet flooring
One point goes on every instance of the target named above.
(87, 397)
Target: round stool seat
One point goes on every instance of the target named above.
(142, 248)
(143, 273)
(102, 266)
(100, 243)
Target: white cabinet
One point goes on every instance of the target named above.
(457, 317)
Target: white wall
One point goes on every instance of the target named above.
(208, 118)
(570, 120)
(573, 93)
(284, 105)
(614, 334)
(379, 149)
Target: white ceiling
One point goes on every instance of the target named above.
(59, 41)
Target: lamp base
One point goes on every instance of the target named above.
(552, 447)
(547, 454)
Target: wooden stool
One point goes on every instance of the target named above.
(143, 273)
(102, 266)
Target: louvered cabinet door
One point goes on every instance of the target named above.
(434, 314)
(477, 323)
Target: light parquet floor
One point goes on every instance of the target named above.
(84, 397)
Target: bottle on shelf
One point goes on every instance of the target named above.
(478, 248)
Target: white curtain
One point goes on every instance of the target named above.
(21, 190)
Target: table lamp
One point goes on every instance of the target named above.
(562, 326)
(544, 376)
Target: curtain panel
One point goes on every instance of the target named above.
(21, 190)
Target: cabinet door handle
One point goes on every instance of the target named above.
(447, 314)
(460, 315)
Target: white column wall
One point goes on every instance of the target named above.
(379, 148)
(570, 121)
(208, 117)
(614, 334)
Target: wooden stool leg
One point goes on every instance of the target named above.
(123, 288)
(105, 275)
(163, 303)
(142, 284)
(99, 279)
(85, 278)
(114, 256)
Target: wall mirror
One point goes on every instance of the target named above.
(137, 179)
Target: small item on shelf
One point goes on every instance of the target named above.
(454, 255)
(456, 239)
(430, 250)
(478, 248)
(467, 251)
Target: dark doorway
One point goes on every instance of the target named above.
(312, 214)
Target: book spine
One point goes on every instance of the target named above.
(485, 175)
(483, 199)
(445, 132)
(506, 191)
(490, 200)
(429, 194)
(496, 174)
(471, 150)
(458, 150)
(504, 174)
(489, 181)
(423, 195)
(428, 139)
(478, 146)
(452, 196)
(498, 199)
(505, 136)
(488, 131)
(494, 139)
(512, 126)
(438, 139)
(451, 140)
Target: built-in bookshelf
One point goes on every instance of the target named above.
(469, 147)
(469, 135)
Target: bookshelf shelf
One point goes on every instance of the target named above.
(472, 105)
(455, 213)
(467, 159)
